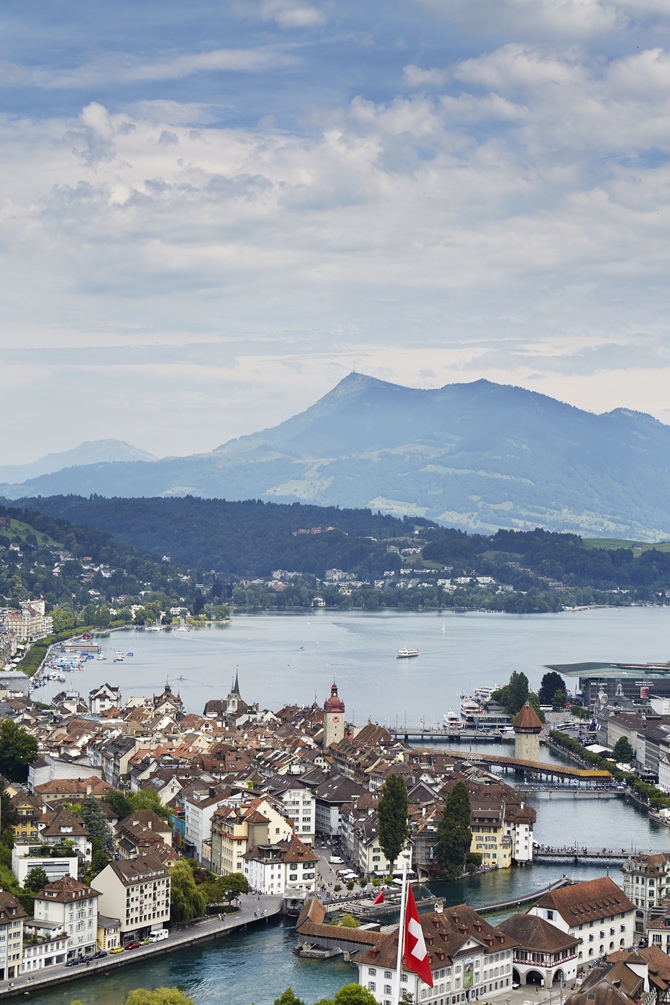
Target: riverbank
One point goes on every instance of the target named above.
(254, 912)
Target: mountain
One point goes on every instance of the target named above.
(476, 456)
(89, 452)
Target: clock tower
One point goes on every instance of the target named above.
(333, 719)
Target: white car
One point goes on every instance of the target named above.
(335, 860)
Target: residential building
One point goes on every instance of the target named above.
(200, 804)
(331, 795)
(299, 804)
(280, 868)
(26, 857)
(102, 698)
(44, 945)
(109, 932)
(137, 892)
(469, 959)
(646, 879)
(544, 955)
(11, 936)
(73, 906)
(597, 912)
(62, 827)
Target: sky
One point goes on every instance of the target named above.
(212, 212)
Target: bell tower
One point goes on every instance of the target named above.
(333, 718)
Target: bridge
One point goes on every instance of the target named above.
(554, 853)
(570, 775)
(408, 733)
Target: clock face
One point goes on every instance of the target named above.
(336, 718)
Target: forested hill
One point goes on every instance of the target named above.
(249, 538)
(243, 539)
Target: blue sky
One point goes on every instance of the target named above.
(210, 212)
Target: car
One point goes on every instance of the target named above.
(116, 949)
(335, 860)
(145, 942)
(132, 945)
(74, 962)
(100, 955)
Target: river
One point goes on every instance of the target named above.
(294, 658)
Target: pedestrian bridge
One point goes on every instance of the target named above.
(555, 853)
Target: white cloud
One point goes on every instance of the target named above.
(415, 76)
(538, 19)
(286, 14)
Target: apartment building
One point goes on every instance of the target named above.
(72, 906)
(137, 892)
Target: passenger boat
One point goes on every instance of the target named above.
(451, 720)
(405, 654)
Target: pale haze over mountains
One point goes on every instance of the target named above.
(478, 455)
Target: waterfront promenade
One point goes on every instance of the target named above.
(253, 911)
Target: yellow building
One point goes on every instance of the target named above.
(29, 809)
(489, 838)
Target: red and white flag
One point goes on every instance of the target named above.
(379, 899)
(416, 954)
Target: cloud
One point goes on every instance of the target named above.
(535, 20)
(415, 76)
(286, 14)
(124, 69)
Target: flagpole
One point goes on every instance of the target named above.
(401, 929)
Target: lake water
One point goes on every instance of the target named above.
(294, 658)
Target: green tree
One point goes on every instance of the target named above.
(36, 880)
(348, 921)
(187, 900)
(559, 699)
(160, 996)
(120, 803)
(288, 998)
(392, 814)
(354, 994)
(454, 836)
(18, 749)
(623, 751)
(234, 885)
(93, 818)
(8, 813)
(549, 685)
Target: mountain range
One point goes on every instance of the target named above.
(89, 452)
(477, 456)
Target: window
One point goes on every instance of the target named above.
(372, 986)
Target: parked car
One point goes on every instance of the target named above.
(116, 949)
(158, 935)
(100, 954)
(145, 942)
(336, 860)
(132, 945)
(74, 962)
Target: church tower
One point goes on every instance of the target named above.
(234, 697)
(527, 728)
(333, 719)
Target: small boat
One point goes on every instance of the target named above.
(101, 656)
(405, 654)
(120, 657)
(130, 654)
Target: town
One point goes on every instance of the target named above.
(133, 827)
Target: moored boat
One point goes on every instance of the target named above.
(405, 654)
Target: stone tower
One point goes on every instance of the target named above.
(527, 728)
(333, 719)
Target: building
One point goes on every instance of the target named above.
(137, 892)
(11, 936)
(333, 719)
(331, 795)
(109, 932)
(200, 804)
(26, 857)
(62, 827)
(527, 728)
(299, 804)
(29, 622)
(646, 879)
(102, 698)
(44, 945)
(280, 868)
(544, 955)
(73, 907)
(469, 959)
(596, 912)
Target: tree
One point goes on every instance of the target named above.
(559, 699)
(36, 880)
(119, 803)
(454, 836)
(550, 684)
(94, 820)
(392, 814)
(234, 885)
(288, 998)
(623, 751)
(186, 900)
(160, 996)
(354, 994)
(18, 749)
(8, 813)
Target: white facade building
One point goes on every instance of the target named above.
(280, 868)
(74, 908)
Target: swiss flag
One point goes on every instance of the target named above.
(379, 899)
(416, 954)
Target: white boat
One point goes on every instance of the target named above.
(405, 654)
(484, 693)
(451, 720)
(101, 656)
(120, 657)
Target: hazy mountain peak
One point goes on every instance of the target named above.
(88, 452)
